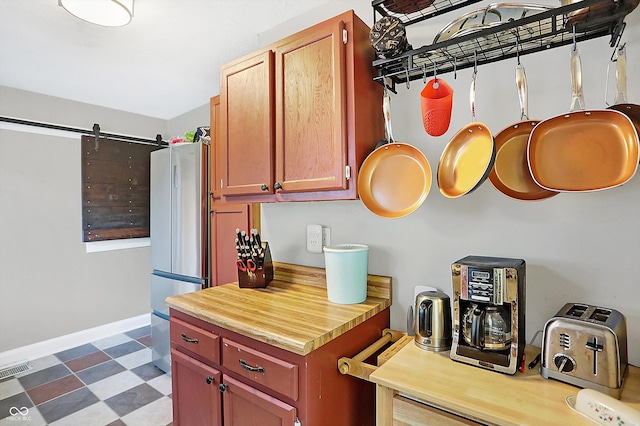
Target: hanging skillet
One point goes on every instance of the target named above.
(468, 157)
(395, 178)
(510, 174)
(584, 150)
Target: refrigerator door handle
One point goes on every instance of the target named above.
(175, 175)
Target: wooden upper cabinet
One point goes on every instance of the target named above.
(299, 116)
(214, 154)
(247, 126)
(311, 142)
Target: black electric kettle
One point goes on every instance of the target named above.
(432, 321)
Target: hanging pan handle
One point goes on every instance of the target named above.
(619, 56)
(577, 97)
(521, 84)
(386, 110)
(472, 91)
(621, 76)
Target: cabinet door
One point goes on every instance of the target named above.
(196, 397)
(246, 126)
(214, 149)
(246, 406)
(225, 219)
(311, 141)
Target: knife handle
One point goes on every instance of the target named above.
(256, 236)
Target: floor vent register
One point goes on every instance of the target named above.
(14, 369)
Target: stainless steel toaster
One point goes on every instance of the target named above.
(586, 346)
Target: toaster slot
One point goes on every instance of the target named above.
(595, 346)
(600, 314)
(577, 311)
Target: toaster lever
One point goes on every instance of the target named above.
(593, 345)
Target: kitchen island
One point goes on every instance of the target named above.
(252, 356)
(417, 387)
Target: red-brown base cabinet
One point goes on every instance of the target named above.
(224, 378)
(244, 405)
(196, 398)
(198, 392)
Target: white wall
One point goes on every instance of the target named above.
(578, 247)
(49, 285)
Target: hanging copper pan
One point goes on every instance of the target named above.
(395, 179)
(585, 150)
(620, 103)
(468, 157)
(510, 174)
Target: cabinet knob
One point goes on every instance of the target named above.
(277, 186)
(264, 187)
(209, 379)
(223, 387)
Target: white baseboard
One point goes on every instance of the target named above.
(52, 346)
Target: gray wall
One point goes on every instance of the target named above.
(578, 247)
(49, 285)
(188, 121)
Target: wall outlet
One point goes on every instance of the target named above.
(314, 238)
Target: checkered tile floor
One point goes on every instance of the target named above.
(110, 382)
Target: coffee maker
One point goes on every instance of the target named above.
(489, 312)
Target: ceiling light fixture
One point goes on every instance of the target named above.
(108, 13)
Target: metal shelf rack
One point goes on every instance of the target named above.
(542, 31)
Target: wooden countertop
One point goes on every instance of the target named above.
(292, 312)
(486, 396)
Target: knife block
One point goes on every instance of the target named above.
(261, 277)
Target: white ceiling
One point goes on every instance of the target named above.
(164, 63)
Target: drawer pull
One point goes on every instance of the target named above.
(247, 367)
(209, 379)
(186, 339)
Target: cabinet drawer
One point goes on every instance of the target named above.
(409, 412)
(196, 340)
(264, 369)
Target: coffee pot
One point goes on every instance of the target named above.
(489, 300)
(432, 321)
(486, 327)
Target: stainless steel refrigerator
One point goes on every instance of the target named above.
(178, 228)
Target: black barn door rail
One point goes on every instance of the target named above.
(95, 131)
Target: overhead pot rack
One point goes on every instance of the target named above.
(541, 31)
